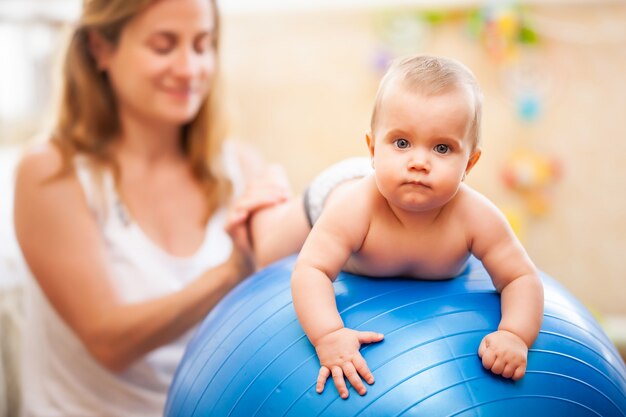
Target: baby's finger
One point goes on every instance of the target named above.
(321, 379)
(484, 346)
(340, 383)
(370, 337)
(519, 372)
(498, 366)
(488, 356)
(509, 370)
(363, 369)
(353, 377)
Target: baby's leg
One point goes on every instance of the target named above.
(329, 181)
(281, 230)
(278, 231)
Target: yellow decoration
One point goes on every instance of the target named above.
(531, 176)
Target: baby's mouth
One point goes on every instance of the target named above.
(417, 183)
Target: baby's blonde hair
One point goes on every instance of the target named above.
(431, 75)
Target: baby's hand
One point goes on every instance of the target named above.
(504, 353)
(339, 355)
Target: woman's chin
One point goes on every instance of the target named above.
(180, 116)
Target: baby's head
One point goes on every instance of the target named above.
(425, 132)
(430, 76)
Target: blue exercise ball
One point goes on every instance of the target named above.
(250, 356)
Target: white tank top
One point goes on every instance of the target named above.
(60, 377)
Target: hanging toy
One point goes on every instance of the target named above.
(503, 29)
(532, 176)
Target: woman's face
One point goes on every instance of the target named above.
(163, 64)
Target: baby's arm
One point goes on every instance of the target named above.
(515, 277)
(336, 235)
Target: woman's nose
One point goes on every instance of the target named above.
(187, 63)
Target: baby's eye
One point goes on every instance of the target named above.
(401, 143)
(441, 148)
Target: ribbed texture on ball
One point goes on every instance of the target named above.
(250, 356)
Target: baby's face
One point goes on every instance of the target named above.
(420, 146)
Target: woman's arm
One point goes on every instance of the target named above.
(63, 247)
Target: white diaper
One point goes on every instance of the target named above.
(317, 192)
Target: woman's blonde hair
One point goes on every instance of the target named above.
(432, 75)
(88, 121)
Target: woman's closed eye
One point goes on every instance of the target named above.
(162, 44)
(204, 43)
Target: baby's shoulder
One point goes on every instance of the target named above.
(476, 212)
(468, 198)
(471, 205)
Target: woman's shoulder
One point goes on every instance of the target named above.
(42, 178)
(40, 162)
(46, 202)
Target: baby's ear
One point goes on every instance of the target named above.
(474, 157)
(370, 143)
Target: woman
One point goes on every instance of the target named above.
(121, 217)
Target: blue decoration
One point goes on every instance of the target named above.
(250, 356)
(529, 106)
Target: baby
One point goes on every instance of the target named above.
(413, 216)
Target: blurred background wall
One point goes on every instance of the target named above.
(554, 143)
(302, 77)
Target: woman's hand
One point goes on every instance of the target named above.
(339, 356)
(270, 188)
